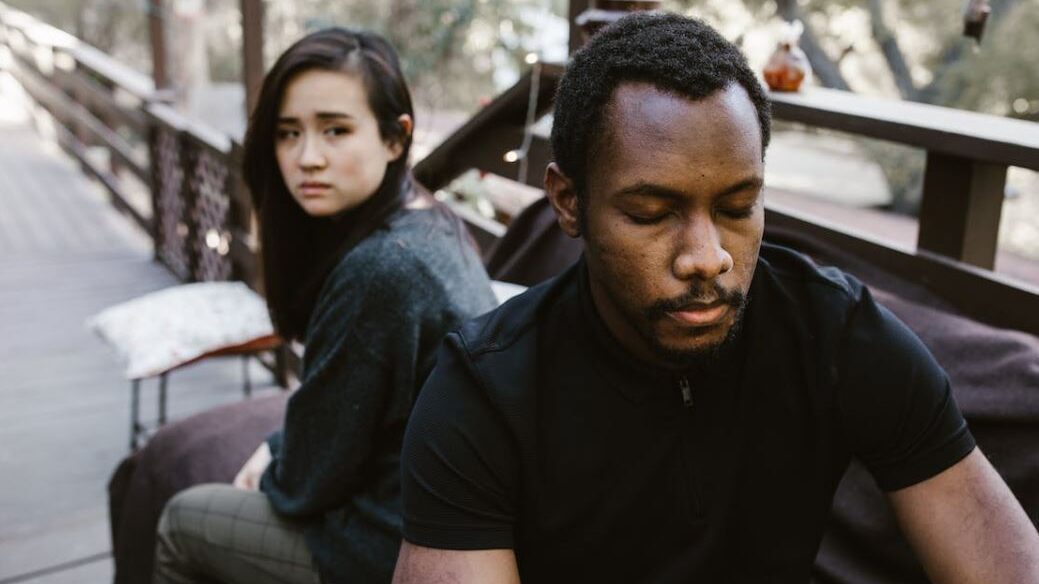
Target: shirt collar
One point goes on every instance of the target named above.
(635, 378)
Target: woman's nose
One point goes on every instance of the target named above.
(311, 155)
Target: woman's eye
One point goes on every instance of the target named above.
(337, 131)
(286, 134)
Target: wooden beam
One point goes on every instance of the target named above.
(252, 51)
(576, 34)
(936, 129)
(157, 34)
(961, 208)
(484, 131)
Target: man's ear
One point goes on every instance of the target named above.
(561, 194)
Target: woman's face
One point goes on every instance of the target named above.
(327, 142)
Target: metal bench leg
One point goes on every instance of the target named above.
(162, 398)
(135, 407)
(247, 383)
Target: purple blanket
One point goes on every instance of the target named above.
(208, 447)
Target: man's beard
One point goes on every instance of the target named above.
(701, 358)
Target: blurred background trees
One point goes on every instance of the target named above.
(913, 49)
(458, 53)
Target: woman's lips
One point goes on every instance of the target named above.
(313, 188)
(701, 314)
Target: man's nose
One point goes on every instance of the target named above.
(700, 254)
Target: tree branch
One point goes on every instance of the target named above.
(888, 43)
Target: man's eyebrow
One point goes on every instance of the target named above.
(754, 182)
(644, 189)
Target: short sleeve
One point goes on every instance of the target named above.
(459, 463)
(897, 408)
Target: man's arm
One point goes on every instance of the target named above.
(423, 565)
(967, 527)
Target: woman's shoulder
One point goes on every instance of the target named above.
(419, 246)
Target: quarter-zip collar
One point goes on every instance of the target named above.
(636, 379)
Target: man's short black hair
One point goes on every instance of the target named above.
(672, 52)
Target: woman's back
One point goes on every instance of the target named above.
(371, 341)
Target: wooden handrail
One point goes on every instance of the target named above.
(967, 158)
(979, 137)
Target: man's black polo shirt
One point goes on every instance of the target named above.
(536, 431)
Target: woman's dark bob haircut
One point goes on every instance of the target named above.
(297, 250)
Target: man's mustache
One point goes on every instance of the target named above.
(698, 294)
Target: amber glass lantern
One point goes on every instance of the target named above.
(788, 66)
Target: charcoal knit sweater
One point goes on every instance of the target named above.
(370, 343)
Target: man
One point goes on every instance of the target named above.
(681, 404)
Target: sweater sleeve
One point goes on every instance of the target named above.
(359, 376)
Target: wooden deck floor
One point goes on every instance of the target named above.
(64, 407)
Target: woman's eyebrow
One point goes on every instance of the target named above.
(333, 115)
(318, 115)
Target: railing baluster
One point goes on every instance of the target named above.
(189, 194)
(961, 208)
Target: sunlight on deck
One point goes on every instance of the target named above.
(65, 254)
(13, 102)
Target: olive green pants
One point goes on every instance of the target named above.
(218, 533)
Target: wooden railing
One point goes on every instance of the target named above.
(176, 179)
(199, 213)
(967, 159)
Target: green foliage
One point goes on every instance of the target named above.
(1003, 71)
(446, 46)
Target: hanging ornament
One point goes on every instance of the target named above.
(788, 66)
(975, 15)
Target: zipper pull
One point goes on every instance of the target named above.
(687, 391)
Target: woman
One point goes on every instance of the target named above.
(368, 270)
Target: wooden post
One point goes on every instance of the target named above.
(157, 33)
(155, 171)
(160, 76)
(961, 208)
(588, 17)
(576, 35)
(252, 51)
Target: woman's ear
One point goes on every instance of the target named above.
(396, 145)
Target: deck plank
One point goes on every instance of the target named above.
(65, 254)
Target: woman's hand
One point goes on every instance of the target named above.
(249, 477)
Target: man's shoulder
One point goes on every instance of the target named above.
(491, 361)
(806, 285)
(511, 327)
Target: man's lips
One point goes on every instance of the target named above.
(700, 314)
